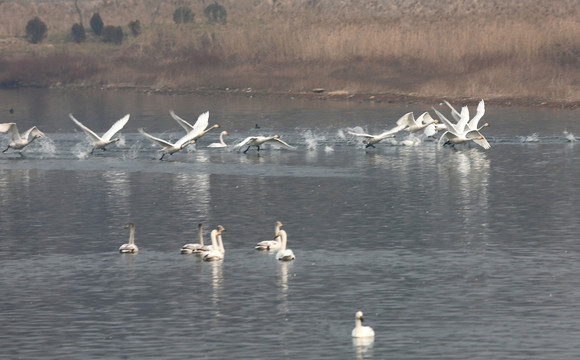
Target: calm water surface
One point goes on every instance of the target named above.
(450, 254)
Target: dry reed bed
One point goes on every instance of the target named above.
(454, 48)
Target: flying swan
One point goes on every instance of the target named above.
(19, 142)
(413, 125)
(461, 132)
(222, 143)
(259, 140)
(360, 330)
(169, 148)
(218, 251)
(198, 129)
(272, 245)
(99, 142)
(284, 254)
(130, 247)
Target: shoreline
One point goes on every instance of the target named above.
(323, 95)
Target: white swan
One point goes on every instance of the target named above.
(272, 245)
(218, 251)
(99, 142)
(413, 125)
(196, 247)
(198, 129)
(569, 136)
(473, 123)
(222, 143)
(259, 140)
(360, 330)
(169, 148)
(460, 132)
(284, 254)
(19, 141)
(129, 247)
(371, 140)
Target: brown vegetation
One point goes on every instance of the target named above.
(425, 48)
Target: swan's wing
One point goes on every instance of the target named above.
(187, 138)
(430, 130)
(393, 131)
(462, 123)
(360, 134)
(201, 123)
(454, 113)
(156, 139)
(245, 141)
(478, 115)
(184, 124)
(450, 126)
(283, 143)
(442, 139)
(406, 120)
(88, 131)
(12, 129)
(478, 139)
(116, 127)
(32, 131)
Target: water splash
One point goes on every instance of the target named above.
(530, 138)
(81, 150)
(47, 146)
(121, 142)
(312, 140)
(569, 136)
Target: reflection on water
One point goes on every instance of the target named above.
(363, 347)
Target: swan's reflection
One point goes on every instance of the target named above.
(217, 278)
(118, 191)
(363, 346)
(283, 286)
(195, 189)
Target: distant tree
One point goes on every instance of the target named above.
(135, 27)
(183, 15)
(113, 34)
(97, 24)
(216, 13)
(36, 30)
(78, 33)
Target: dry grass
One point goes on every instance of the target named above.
(445, 48)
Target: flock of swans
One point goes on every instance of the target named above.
(216, 251)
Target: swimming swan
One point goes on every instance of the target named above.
(360, 330)
(169, 148)
(259, 140)
(284, 254)
(129, 247)
(19, 142)
(99, 142)
(272, 245)
(197, 247)
(222, 143)
(218, 251)
(198, 129)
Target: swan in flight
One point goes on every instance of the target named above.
(360, 330)
(259, 140)
(284, 254)
(222, 143)
(169, 148)
(371, 140)
(218, 251)
(413, 125)
(272, 245)
(99, 142)
(19, 141)
(129, 247)
(474, 122)
(197, 247)
(460, 132)
(198, 129)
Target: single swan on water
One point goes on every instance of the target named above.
(360, 330)
(257, 141)
(169, 148)
(19, 141)
(284, 254)
(198, 129)
(99, 142)
(129, 247)
(272, 245)
(222, 143)
(197, 247)
(218, 251)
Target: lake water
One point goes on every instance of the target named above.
(450, 253)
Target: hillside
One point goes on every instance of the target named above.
(516, 51)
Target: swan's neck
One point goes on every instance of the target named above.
(221, 242)
(214, 239)
(132, 235)
(222, 139)
(283, 236)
